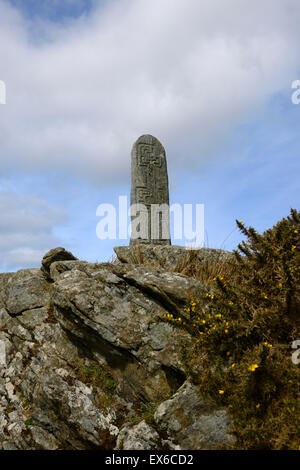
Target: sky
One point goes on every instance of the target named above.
(85, 78)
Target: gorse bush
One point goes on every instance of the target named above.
(244, 327)
(261, 299)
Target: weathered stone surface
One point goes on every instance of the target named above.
(87, 349)
(43, 405)
(172, 258)
(149, 186)
(185, 421)
(192, 422)
(56, 254)
(24, 290)
(138, 437)
(100, 305)
(169, 288)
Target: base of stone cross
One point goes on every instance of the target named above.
(171, 257)
(140, 241)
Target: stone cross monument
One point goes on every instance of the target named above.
(149, 197)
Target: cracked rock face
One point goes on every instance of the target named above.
(169, 257)
(84, 349)
(138, 437)
(25, 290)
(195, 424)
(56, 254)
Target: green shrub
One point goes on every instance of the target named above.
(244, 326)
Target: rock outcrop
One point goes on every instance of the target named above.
(172, 257)
(89, 362)
(56, 254)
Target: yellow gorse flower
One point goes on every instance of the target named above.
(253, 367)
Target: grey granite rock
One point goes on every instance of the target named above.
(85, 347)
(102, 306)
(138, 437)
(172, 258)
(24, 290)
(56, 254)
(192, 422)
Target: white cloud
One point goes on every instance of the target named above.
(183, 70)
(26, 230)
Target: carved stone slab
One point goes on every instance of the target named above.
(150, 187)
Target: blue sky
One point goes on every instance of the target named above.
(53, 10)
(86, 78)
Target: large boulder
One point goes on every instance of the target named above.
(186, 421)
(138, 437)
(24, 290)
(116, 312)
(172, 258)
(56, 254)
(192, 422)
